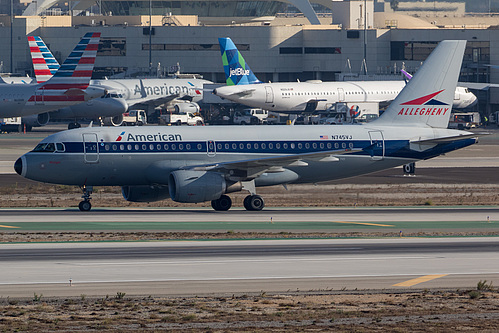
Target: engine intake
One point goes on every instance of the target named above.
(37, 120)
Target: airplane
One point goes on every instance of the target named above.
(305, 97)
(122, 93)
(69, 86)
(201, 164)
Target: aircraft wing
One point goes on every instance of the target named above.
(478, 86)
(252, 168)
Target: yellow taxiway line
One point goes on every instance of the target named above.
(365, 223)
(419, 280)
(8, 226)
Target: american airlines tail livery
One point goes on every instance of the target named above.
(199, 164)
(310, 96)
(68, 86)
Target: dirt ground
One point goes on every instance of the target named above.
(312, 311)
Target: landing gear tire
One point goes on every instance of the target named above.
(85, 206)
(222, 204)
(253, 203)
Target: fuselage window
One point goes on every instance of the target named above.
(158, 146)
(199, 146)
(285, 146)
(241, 146)
(107, 147)
(129, 147)
(115, 147)
(174, 146)
(255, 146)
(248, 145)
(137, 147)
(314, 145)
(122, 147)
(234, 146)
(336, 145)
(350, 145)
(271, 146)
(151, 146)
(292, 146)
(307, 145)
(343, 145)
(322, 145)
(219, 146)
(60, 147)
(180, 147)
(227, 146)
(300, 146)
(144, 147)
(188, 146)
(264, 146)
(278, 146)
(329, 145)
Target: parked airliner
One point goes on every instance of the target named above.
(199, 164)
(69, 86)
(311, 96)
(123, 93)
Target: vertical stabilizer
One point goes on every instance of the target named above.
(427, 98)
(44, 62)
(237, 71)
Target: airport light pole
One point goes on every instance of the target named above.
(11, 35)
(150, 33)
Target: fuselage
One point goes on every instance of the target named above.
(297, 97)
(147, 155)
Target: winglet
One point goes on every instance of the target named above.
(427, 98)
(237, 71)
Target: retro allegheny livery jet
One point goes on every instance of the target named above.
(297, 97)
(198, 164)
(123, 93)
(68, 86)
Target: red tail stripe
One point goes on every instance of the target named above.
(34, 49)
(87, 61)
(42, 72)
(82, 74)
(31, 38)
(39, 61)
(92, 47)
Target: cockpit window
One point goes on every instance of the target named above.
(60, 147)
(45, 147)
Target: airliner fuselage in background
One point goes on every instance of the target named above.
(311, 96)
(198, 164)
(316, 96)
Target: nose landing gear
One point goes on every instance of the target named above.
(85, 205)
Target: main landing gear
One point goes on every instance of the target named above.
(85, 205)
(251, 202)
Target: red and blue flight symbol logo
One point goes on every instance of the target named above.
(354, 111)
(426, 100)
(120, 137)
(425, 106)
(195, 89)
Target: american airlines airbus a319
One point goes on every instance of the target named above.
(198, 164)
(306, 97)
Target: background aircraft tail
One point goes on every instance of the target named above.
(44, 62)
(69, 84)
(237, 71)
(427, 98)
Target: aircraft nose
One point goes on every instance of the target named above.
(214, 92)
(120, 105)
(18, 166)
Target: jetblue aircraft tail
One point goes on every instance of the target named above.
(427, 99)
(237, 71)
(44, 62)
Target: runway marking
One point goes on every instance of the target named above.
(8, 226)
(365, 223)
(419, 280)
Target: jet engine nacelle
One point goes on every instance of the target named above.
(196, 186)
(187, 107)
(114, 121)
(144, 193)
(36, 120)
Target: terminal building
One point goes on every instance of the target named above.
(353, 37)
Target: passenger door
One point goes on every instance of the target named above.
(377, 145)
(90, 148)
